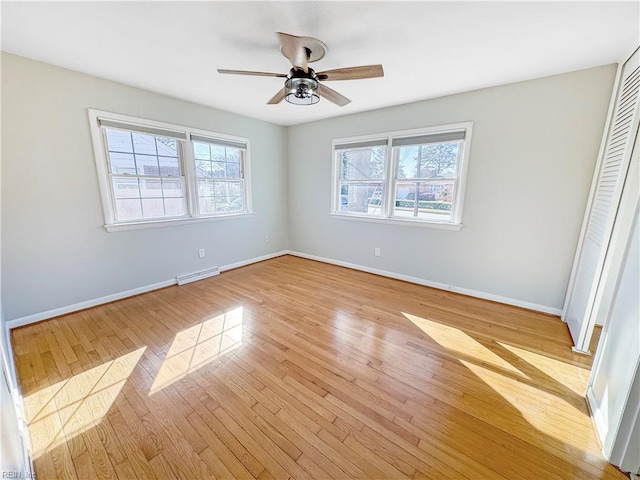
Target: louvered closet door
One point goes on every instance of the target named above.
(604, 202)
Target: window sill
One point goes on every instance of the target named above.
(399, 221)
(120, 227)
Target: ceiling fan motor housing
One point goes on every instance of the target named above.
(302, 87)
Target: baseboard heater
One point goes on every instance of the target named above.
(194, 277)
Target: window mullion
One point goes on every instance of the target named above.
(191, 184)
(389, 180)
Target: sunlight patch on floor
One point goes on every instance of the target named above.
(573, 377)
(540, 409)
(60, 412)
(199, 345)
(508, 379)
(455, 340)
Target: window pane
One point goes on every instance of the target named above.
(217, 153)
(143, 143)
(174, 207)
(236, 204)
(220, 189)
(235, 189)
(126, 188)
(233, 170)
(205, 188)
(216, 195)
(219, 169)
(362, 164)
(233, 155)
(118, 141)
(169, 166)
(201, 151)
(431, 160)
(152, 207)
(361, 198)
(203, 168)
(206, 206)
(172, 188)
(150, 187)
(167, 146)
(127, 209)
(434, 200)
(122, 163)
(147, 164)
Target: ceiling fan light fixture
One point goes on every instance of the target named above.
(301, 91)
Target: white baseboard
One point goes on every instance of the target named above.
(37, 317)
(243, 263)
(596, 415)
(429, 283)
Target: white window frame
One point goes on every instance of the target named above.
(186, 157)
(389, 180)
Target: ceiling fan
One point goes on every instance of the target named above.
(302, 85)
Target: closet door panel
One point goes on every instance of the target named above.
(604, 203)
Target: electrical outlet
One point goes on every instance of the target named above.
(376, 251)
(201, 253)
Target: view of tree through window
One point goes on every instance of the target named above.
(432, 169)
(411, 175)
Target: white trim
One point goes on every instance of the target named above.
(38, 317)
(438, 285)
(244, 263)
(56, 312)
(596, 415)
(120, 227)
(16, 397)
(583, 352)
(397, 221)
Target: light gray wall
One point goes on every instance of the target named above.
(532, 156)
(55, 251)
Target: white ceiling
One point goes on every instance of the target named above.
(428, 49)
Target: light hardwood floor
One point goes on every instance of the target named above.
(292, 368)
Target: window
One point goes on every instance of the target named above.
(415, 176)
(153, 173)
(361, 181)
(219, 173)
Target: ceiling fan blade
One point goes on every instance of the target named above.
(332, 95)
(257, 74)
(352, 73)
(294, 49)
(277, 98)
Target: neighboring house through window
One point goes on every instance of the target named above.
(412, 176)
